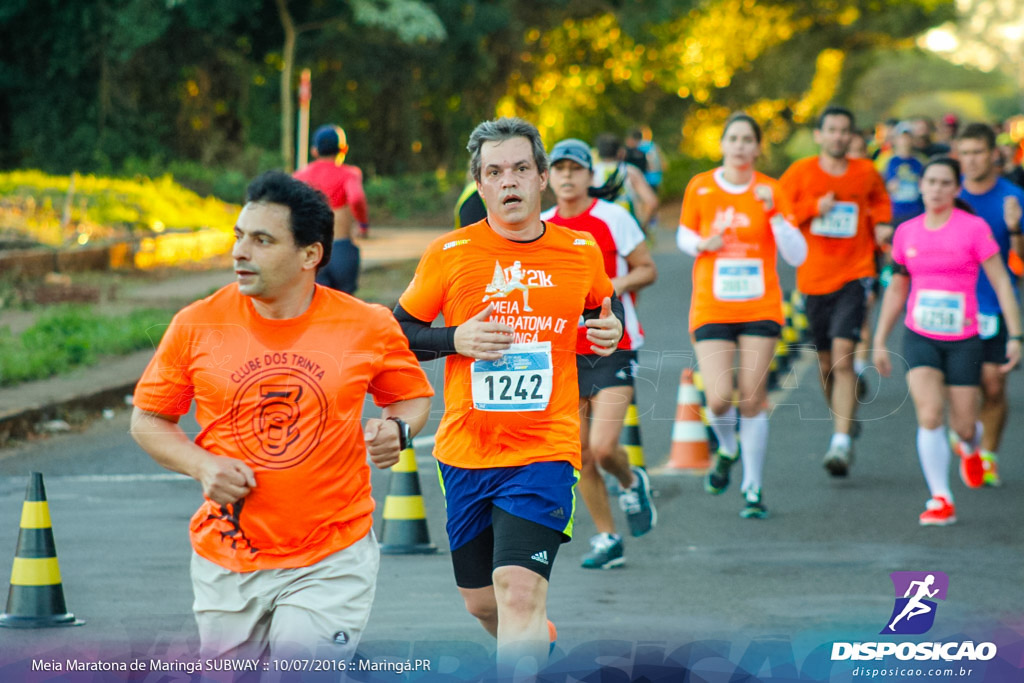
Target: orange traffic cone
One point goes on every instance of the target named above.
(36, 599)
(405, 518)
(689, 436)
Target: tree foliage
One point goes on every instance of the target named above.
(109, 85)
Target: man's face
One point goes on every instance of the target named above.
(977, 160)
(834, 135)
(267, 261)
(510, 183)
(570, 180)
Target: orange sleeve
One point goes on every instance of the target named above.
(690, 217)
(399, 376)
(166, 385)
(803, 206)
(423, 297)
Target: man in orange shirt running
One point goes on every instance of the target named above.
(836, 201)
(511, 289)
(279, 368)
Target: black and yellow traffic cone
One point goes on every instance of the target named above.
(36, 599)
(405, 517)
(630, 439)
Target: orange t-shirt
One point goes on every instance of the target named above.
(739, 282)
(841, 245)
(286, 398)
(540, 289)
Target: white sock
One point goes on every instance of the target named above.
(859, 366)
(754, 435)
(933, 452)
(839, 441)
(724, 427)
(973, 445)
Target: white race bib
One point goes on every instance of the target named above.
(840, 222)
(738, 279)
(939, 312)
(521, 380)
(988, 325)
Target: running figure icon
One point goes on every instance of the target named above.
(915, 606)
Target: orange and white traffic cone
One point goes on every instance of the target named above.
(689, 436)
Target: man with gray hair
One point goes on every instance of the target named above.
(508, 447)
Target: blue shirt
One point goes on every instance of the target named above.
(990, 207)
(906, 193)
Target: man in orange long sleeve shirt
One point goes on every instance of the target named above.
(843, 209)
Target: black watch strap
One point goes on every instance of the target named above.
(404, 433)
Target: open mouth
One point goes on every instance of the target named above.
(511, 201)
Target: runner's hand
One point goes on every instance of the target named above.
(1012, 356)
(477, 338)
(713, 243)
(883, 234)
(225, 480)
(881, 361)
(826, 203)
(764, 195)
(382, 442)
(604, 332)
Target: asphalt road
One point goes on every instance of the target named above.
(705, 591)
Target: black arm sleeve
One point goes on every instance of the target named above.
(618, 310)
(900, 269)
(426, 342)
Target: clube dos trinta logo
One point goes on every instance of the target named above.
(913, 613)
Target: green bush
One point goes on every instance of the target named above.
(680, 170)
(73, 336)
(418, 195)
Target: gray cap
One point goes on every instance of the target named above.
(573, 150)
(903, 127)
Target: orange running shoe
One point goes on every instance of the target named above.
(972, 470)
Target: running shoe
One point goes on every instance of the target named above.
(938, 511)
(552, 637)
(605, 552)
(754, 508)
(972, 469)
(990, 464)
(717, 480)
(838, 460)
(637, 504)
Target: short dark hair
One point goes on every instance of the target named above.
(500, 130)
(834, 110)
(742, 116)
(311, 221)
(979, 131)
(608, 145)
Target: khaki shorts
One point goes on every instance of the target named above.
(320, 609)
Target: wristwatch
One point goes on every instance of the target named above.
(404, 433)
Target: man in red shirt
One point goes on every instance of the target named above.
(343, 185)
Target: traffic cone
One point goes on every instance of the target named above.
(405, 518)
(800, 322)
(631, 436)
(36, 598)
(689, 436)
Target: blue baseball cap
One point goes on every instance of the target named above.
(573, 150)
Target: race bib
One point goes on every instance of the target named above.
(840, 222)
(521, 380)
(939, 312)
(738, 279)
(988, 325)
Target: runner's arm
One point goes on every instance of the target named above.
(645, 193)
(357, 198)
(790, 241)
(892, 304)
(426, 342)
(224, 479)
(642, 271)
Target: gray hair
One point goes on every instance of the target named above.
(500, 130)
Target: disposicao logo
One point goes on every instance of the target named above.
(914, 614)
(916, 592)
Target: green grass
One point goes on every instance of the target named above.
(72, 336)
